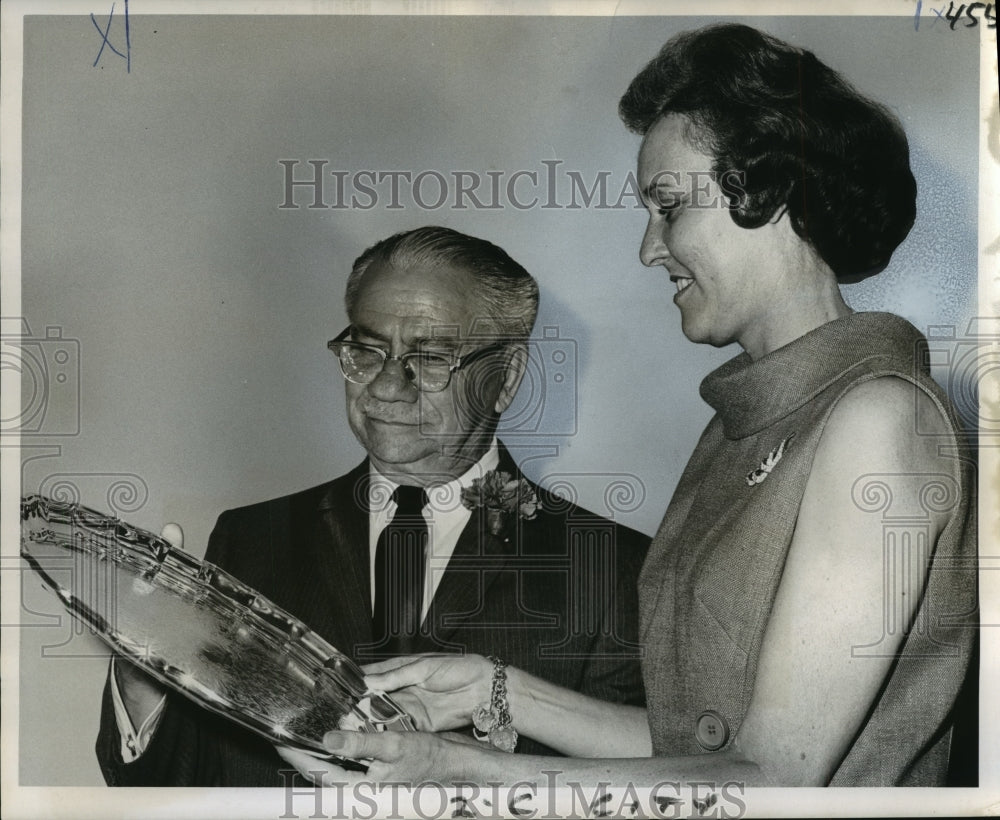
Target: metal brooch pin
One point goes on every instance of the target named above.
(769, 463)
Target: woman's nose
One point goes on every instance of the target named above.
(653, 250)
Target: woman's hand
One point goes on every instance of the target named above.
(412, 758)
(403, 758)
(439, 692)
(317, 770)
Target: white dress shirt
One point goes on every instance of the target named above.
(133, 741)
(444, 513)
(446, 517)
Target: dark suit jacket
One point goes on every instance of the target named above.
(555, 596)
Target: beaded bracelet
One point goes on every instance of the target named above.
(492, 720)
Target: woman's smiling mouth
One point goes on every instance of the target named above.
(682, 282)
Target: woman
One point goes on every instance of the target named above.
(794, 635)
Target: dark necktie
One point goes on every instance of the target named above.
(400, 559)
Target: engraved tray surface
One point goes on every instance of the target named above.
(199, 630)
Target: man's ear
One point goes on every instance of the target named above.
(517, 363)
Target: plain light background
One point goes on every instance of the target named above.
(189, 313)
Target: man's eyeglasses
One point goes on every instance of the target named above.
(429, 371)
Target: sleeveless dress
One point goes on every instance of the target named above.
(710, 578)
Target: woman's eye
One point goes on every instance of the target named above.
(669, 211)
(668, 205)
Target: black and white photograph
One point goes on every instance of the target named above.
(498, 409)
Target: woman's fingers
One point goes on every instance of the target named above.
(464, 740)
(380, 750)
(319, 771)
(390, 663)
(412, 672)
(404, 758)
(416, 709)
(436, 673)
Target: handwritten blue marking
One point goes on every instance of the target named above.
(106, 42)
(128, 43)
(916, 17)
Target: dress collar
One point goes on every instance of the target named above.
(750, 396)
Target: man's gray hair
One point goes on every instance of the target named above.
(506, 291)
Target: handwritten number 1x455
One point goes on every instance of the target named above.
(105, 33)
(971, 12)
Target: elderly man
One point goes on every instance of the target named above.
(387, 560)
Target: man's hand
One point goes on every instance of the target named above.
(174, 534)
(439, 692)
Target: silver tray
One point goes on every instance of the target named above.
(199, 630)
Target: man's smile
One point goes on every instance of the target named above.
(390, 422)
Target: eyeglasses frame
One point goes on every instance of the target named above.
(460, 361)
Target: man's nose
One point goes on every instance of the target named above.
(392, 383)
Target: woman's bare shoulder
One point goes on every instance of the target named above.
(888, 422)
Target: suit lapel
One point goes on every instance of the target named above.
(478, 560)
(343, 556)
(343, 560)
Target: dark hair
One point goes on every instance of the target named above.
(807, 141)
(508, 293)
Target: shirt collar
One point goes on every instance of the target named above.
(441, 497)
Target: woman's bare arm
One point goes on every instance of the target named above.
(812, 691)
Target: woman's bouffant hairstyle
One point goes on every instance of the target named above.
(805, 140)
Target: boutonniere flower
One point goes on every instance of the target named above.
(501, 495)
(769, 463)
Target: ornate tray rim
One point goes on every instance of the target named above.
(104, 537)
